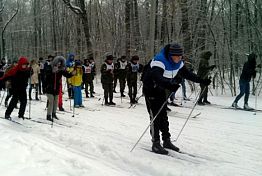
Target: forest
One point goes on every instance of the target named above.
(230, 29)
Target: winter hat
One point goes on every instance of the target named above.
(175, 50)
(109, 57)
(134, 58)
(77, 63)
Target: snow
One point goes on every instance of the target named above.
(99, 140)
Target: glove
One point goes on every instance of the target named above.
(206, 82)
(175, 87)
(212, 67)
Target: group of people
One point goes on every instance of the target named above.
(124, 71)
(164, 73)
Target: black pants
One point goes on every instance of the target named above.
(122, 83)
(203, 94)
(108, 91)
(132, 91)
(9, 94)
(21, 96)
(153, 104)
(91, 84)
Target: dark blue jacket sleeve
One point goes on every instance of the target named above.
(185, 73)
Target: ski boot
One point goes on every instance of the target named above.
(168, 144)
(157, 148)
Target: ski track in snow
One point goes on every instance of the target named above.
(218, 142)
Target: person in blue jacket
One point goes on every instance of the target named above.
(158, 77)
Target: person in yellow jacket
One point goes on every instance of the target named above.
(76, 82)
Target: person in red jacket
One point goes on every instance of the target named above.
(19, 79)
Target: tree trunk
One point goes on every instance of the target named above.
(128, 32)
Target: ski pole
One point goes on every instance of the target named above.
(152, 120)
(29, 98)
(200, 93)
(74, 102)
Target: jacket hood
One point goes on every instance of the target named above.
(252, 58)
(57, 60)
(70, 60)
(22, 61)
(206, 55)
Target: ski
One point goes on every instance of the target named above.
(176, 114)
(178, 155)
(18, 123)
(242, 109)
(48, 122)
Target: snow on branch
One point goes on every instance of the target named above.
(74, 8)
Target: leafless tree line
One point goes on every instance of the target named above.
(228, 28)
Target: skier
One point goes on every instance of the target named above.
(249, 71)
(19, 79)
(54, 73)
(41, 75)
(107, 76)
(133, 68)
(158, 77)
(76, 82)
(70, 63)
(121, 65)
(88, 77)
(34, 79)
(116, 73)
(93, 73)
(203, 71)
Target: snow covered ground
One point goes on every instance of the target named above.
(98, 140)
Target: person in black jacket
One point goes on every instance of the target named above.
(133, 68)
(18, 76)
(88, 77)
(203, 72)
(107, 77)
(249, 71)
(53, 73)
(158, 77)
(121, 71)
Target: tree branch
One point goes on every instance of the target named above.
(77, 10)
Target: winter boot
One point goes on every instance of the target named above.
(206, 102)
(112, 103)
(48, 117)
(7, 116)
(54, 116)
(61, 109)
(21, 117)
(157, 148)
(234, 105)
(168, 144)
(200, 103)
(36, 95)
(106, 102)
(246, 107)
